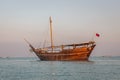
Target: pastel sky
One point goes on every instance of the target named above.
(74, 21)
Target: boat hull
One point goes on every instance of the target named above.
(63, 57)
(71, 56)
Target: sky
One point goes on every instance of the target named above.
(74, 21)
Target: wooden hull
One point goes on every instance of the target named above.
(63, 56)
(80, 55)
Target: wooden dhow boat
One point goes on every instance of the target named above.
(69, 52)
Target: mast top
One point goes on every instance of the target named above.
(50, 19)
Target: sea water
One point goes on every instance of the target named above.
(98, 68)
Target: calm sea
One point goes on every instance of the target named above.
(98, 68)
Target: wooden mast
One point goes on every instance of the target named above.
(51, 34)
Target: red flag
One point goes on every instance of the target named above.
(98, 35)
